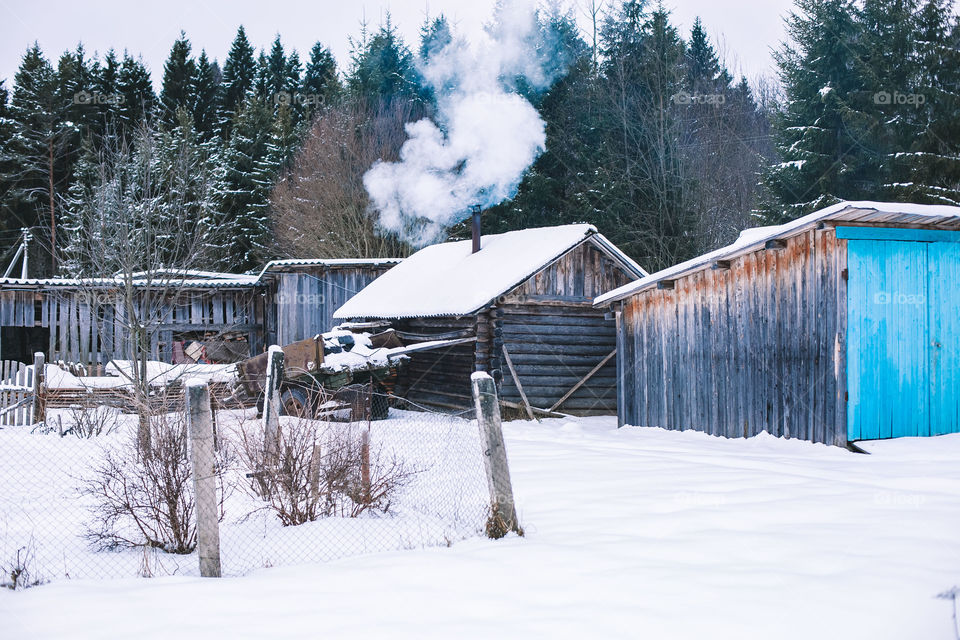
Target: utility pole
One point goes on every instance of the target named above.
(27, 237)
(22, 251)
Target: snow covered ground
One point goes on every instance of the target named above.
(630, 533)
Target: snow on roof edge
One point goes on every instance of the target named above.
(753, 237)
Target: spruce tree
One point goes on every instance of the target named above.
(239, 74)
(320, 82)
(206, 107)
(244, 187)
(137, 101)
(42, 133)
(179, 81)
(821, 130)
(382, 67)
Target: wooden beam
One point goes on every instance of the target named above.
(583, 381)
(516, 381)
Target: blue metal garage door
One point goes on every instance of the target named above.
(903, 332)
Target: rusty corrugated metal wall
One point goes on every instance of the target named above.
(736, 351)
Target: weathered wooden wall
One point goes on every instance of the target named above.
(733, 352)
(304, 300)
(88, 327)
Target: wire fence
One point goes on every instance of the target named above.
(98, 493)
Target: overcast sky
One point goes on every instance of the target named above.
(745, 30)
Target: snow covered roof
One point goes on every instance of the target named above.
(197, 279)
(448, 280)
(754, 238)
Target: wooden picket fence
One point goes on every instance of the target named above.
(16, 393)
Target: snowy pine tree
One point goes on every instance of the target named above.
(179, 78)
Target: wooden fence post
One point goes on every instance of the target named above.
(503, 514)
(200, 430)
(39, 388)
(271, 402)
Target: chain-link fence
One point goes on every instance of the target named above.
(96, 492)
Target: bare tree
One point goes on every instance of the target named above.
(321, 209)
(137, 228)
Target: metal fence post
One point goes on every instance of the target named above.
(39, 369)
(271, 402)
(200, 430)
(503, 514)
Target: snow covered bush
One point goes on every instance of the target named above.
(90, 422)
(320, 470)
(145, 498)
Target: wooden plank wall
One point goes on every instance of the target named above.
(305, 300)
(733, 352)
(88, 328)
(583, 273)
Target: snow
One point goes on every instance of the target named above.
(755, 237)
(630, 533)
(447, 279)
(163, 373)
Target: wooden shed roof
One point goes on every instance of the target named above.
(449, 280)
(855, 212)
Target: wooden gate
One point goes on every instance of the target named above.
(16, 393)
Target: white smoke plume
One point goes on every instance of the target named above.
(485, 135)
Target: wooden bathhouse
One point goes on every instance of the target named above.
(521, 302)
(837, 327)
(235, 315)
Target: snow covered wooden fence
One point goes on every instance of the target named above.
(16, 393)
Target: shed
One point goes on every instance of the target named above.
(839, 326)
(304, 293)
(523, 300)
(77, 322)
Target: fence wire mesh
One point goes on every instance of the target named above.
(97, 493)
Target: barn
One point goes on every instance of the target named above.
(235, 315)
(520, 306)
(837, 327)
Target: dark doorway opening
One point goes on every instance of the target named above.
(20, 343)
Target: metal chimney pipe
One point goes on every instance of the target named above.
(476, 228)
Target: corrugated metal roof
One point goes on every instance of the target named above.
(447, 279)
(196, 279)
(861, 212)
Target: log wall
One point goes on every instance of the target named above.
(736, 351)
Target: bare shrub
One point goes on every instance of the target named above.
(90, 422)
(144, 496)
(20, 571)
(320, 470)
